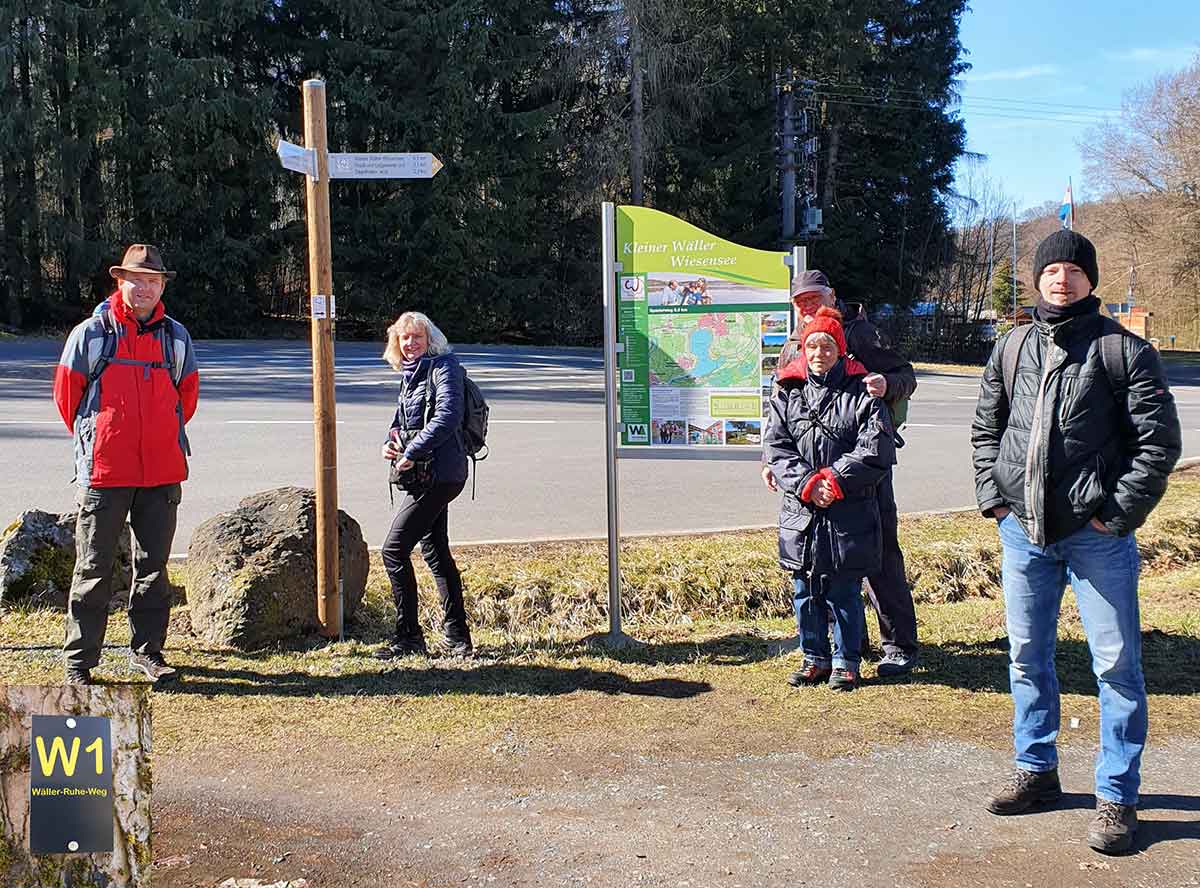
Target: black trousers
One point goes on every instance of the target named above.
(888, 589)
(422, 518)
(102, 512)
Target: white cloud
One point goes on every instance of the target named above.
(1013, 73)
(1169, 56)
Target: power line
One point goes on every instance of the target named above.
(995, 103)
(926, 95)
(1025, 110)
(1032, 115)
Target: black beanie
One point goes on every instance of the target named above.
(1066, 245)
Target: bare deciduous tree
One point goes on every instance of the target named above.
(981, 219)
(1147, 167)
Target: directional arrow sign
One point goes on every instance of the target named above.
(416, 165)
(297, 159)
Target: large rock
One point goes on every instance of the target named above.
(252, 572)
(37, 558)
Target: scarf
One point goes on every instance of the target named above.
(1056, 314)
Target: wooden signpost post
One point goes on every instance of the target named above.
(318, 165)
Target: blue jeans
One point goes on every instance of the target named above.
(1103, 572)
(842, 595)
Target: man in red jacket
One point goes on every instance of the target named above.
(125, 386)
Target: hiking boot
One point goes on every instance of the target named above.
(843, 679)
(459, 647)
(1024, 789)
(1113, 828)
(153, 666)
(403, 646)
(78, 676)
(809, 673)
(896, 663)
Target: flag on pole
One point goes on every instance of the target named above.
(1067, 211)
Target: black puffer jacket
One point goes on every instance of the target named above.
(1068, 448)
(829, 422)
(440, 439)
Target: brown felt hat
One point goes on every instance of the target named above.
(144, 258)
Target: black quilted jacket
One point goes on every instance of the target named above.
(1069, 448)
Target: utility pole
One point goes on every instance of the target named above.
(1014, 263)
(1132, 279)
(991, 265)
(797, 158)
(786, 105)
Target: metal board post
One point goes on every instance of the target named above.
(608, 262)
(799, 260)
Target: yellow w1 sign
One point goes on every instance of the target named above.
(70, 785)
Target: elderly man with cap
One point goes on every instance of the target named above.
(125, 386)
(890, 377)
(1075, 434)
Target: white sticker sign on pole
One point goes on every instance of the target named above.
(412, 165)
(323, 307)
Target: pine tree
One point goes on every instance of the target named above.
(1002, 289)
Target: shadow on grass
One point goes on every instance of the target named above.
(1171, 663)
(734, 649)
(495, 679)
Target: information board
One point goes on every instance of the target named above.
(701, 322)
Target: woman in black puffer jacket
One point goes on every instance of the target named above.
(425, 442)
(828, 442)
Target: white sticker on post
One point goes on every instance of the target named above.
(322, 307)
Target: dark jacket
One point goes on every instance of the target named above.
(832, 422)
(441, 438)
(867, 346)
(1068, 448)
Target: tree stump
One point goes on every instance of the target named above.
(128, 865)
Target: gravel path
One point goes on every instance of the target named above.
(896, 817)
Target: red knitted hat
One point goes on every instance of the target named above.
(826, 320)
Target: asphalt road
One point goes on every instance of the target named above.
(545, 476)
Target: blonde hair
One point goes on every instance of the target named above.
(438, 344)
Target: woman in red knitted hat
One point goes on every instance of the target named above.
(828, 442)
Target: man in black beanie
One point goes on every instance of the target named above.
(1075, 434)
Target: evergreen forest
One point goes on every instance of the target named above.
(157, 120)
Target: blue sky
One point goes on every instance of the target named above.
(1050, 59)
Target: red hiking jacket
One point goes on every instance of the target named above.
(128, 426)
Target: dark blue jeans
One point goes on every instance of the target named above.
(1103, 573)
(813, 602)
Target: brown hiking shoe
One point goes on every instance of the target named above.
(1024, 789)
(809, 673)
(1113, 828)
(843, 680)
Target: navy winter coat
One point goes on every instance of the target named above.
(441, 438)
(829, 422)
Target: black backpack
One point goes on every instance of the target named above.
(475, 420)
(1111, 356)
